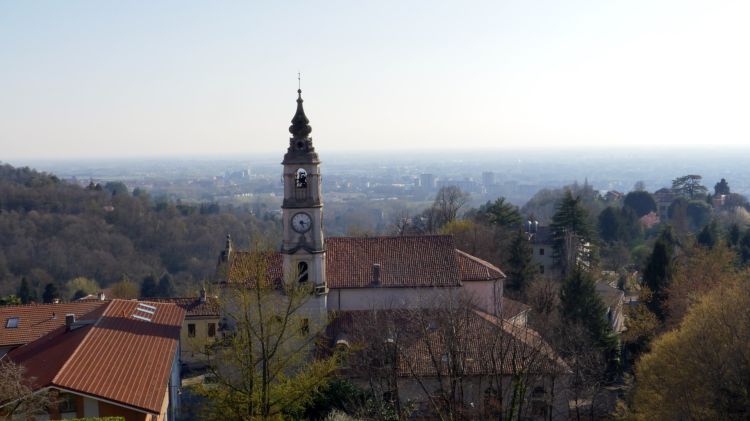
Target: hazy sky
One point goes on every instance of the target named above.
(130, 78)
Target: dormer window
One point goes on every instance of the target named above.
(12, 323)
(301, 179)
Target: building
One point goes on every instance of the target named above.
(664, 198)
(22, 324)
(541, 248)
(121, 358)
(200, 327)
(353, 276)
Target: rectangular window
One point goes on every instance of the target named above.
(12, 323)
(541, 251)
(191, 330)
(304, 326)
(541, 268)
(211, 330)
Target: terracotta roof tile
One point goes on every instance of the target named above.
(192, 305)
(119, 358)
(242, 267)
(407, 261)
(475, 269)
(36, 320)
(512, 308)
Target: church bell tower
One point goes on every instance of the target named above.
(303, 246)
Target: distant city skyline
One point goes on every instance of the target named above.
(83, 80)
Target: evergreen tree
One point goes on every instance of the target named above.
(166, 286)
(521, 271)
(609, 225)
(708, 236)
(500, 213)
(745, 248)
(79, 294)
(24, 292)
(734, 235)
(149, 287)
(641, 202)
(658, 272)
(50, 293)
(722, 187)
(570, 233)
(580, 304)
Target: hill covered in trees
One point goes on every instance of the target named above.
(52, 231)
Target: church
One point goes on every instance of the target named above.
(351, 273)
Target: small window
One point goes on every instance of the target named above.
(541, 251)
(541, 268)
(211, 330)
(304, 326)
(66, 403)
(12, 323)
(301, 179)
(191, 330)
(302, 272)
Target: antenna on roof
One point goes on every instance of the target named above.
(146, 312)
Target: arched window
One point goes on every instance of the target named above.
(301, 179)
(302, 272)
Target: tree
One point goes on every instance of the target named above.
(17, 393)
(50, 293)
(500, 213)
(709, 236)
(521, 271)
(658, 273)
(84, 285)
(448, 201)
(166, 286)
(149, 287)
(689, 186)
(642, 202)
(265, 366)
(125, 289)
(571, 233)
(700, 370)
(580, 304)
(24, 292)
(722, 187)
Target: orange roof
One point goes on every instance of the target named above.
(475, 269)
(119, 357)
(36, 320)
(192, 305)
(405, 261)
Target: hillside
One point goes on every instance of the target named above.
(53, 231)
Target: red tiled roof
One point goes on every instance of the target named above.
(475, 269)
(119, 358)
(488, 344)
(407, 261)
(192, 305)
(512, 308)
(36, 320)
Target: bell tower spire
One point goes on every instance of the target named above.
(303, 245)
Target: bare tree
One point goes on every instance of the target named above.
(448, 202)
(17, 395)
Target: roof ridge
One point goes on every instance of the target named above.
(392, 236)
(83, 341)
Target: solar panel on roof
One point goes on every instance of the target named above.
(149, 311)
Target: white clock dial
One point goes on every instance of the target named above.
(301, 222)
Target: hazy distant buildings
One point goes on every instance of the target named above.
(488, 178)
(427, 181)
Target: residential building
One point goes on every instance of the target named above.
(121, 358)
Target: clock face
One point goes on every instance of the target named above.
(301, 222)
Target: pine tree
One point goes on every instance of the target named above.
(521, 271)
(579, 303)
(50, 293)
(658, 273)
(570, 233)
(24, 292)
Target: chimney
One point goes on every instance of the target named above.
(100, 295)
(70, 318)
(376, 273)
(203, 295)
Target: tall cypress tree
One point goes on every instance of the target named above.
(50, 293)
(570, 231)
(521, 271)
(24, 292)
(166, 286)
(579, 303)
(658, 273)
(149, 287)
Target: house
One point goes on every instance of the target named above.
(541, 248)
(467, 355)
(200, 327)
(613, 299)
(664, 198)
(121, 358)
(22, 324)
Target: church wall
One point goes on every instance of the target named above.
(385, 298)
